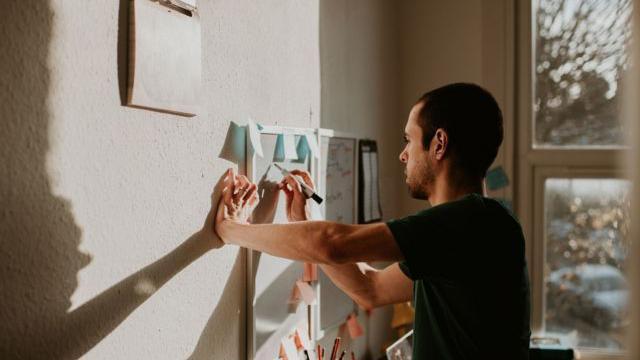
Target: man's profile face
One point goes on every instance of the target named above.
(419, 169)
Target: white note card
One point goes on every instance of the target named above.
(366, 193)
(313, 145)
(375, 202)
(290, 151)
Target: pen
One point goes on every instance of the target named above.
(334, 351)
(306, 190)
(344, 352)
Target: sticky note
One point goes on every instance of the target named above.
(355, 330)
(310, 272)
(303, 149)
(313, 145)
(497, 178)
(289, 142)
(234, 147)
(307, 292)
(295, 295)
(254, 138)
(294, 299)
(278, 153)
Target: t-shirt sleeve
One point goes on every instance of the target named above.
(432, 243)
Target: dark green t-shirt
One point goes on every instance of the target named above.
(471, 286)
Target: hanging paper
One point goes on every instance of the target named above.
(355, 330)
(307, 292)
(302, 149)
(313, 145)
(290, 152)
(278, 153)
(497, 178)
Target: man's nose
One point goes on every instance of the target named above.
(403, 156)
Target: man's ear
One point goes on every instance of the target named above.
(441, 142)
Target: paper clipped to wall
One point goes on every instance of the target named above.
(369, 209)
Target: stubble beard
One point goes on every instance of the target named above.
(420, 183)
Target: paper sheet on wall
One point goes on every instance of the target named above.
(313, 145)
(375, 202)
(366, 173)
(278, 152)
(369, 202)
(354, 327)
(307, 292)
(290, 152)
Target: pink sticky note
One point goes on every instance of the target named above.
(307, 292)
(355, 330)
(310, 272)
(295, 295)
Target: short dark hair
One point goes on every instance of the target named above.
(472, 120)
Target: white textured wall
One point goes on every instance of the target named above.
(359, 63)
(91, 191)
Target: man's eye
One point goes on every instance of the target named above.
(406, 139)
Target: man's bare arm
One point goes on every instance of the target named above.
(369, 287)
(321, 242)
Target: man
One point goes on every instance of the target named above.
(462, 260)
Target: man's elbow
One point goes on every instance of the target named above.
(366, 303)
(331, 248)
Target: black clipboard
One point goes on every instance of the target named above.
(369, 209)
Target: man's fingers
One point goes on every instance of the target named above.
(251, 191)
(293, 184)
(305, 177)
(241, 183)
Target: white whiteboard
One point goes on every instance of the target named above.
(270, 278)
(338, 181)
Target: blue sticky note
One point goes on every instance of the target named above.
(497, 178)
(278, 154)
(302, 149)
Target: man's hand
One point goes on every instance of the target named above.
(239, 198)
(297, 209)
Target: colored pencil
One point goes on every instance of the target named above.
(336, 346)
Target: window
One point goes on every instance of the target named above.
(571, 197)
(580, 55)
(586, 246)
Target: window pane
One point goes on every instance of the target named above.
(580, 49)
(586, 222)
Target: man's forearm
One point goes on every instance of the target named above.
(356, 280)
(304, 241)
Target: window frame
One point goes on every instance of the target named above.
(534, 164)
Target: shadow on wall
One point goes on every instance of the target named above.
(39, 239)
(39, 256)
(223, 326)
